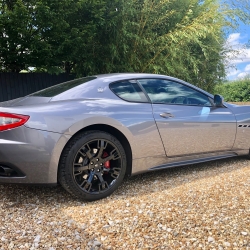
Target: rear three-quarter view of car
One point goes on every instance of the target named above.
(87, 134)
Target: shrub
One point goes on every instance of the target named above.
(236, 91)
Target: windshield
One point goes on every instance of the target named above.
(62, 87)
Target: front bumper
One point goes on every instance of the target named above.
(33, 154)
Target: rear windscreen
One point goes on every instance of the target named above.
(62, 87)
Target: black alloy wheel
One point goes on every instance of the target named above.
(92, 165)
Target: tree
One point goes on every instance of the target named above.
(241, 9)
(91, 32)
(181, 38)
(30, 31)
(58, 33)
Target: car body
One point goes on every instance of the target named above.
(141, 122)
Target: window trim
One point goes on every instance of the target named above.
(145, 96)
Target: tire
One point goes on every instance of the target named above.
(92, 165)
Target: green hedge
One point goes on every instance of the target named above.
(236, 91)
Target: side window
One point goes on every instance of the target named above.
(128, 91)
(170, 92)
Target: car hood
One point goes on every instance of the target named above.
(25, 101)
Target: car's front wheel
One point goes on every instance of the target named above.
(92, 165)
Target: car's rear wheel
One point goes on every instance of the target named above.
(92, 165)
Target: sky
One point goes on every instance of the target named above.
(239, 64)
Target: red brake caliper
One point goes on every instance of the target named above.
(107, 163)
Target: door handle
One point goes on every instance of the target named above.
(166, 115)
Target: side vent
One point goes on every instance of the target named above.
(243, 126)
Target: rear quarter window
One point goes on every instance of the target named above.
(128, 91)
(62, 87)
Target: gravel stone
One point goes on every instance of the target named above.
(37, 239)
(210, 239)
(96, 243)
(226, 244)
(203, 206)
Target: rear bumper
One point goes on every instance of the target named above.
(32, 154)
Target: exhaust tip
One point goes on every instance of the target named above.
(7, 171)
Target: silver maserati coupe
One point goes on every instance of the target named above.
(87, 134)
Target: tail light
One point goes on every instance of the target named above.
(10, 121)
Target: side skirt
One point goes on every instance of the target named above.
(192, 161)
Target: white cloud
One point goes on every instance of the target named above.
(247, 68)
(233, 39)
(237, 53)
(232, 71)
(241, 56)
(243, 74)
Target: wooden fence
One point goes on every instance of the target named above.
(14, 85)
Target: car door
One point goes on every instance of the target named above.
(135, 114)
(187, 120)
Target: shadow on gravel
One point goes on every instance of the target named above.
(16, 195)
(173, 177)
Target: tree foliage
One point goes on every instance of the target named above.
(178, 38)
(27, 30)
(181, 38)
(46, 34)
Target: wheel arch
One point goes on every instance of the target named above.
(113, 131)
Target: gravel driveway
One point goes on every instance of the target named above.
(204, 206)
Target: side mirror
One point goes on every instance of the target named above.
(218, 100)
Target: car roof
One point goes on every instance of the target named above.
(117, 76)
